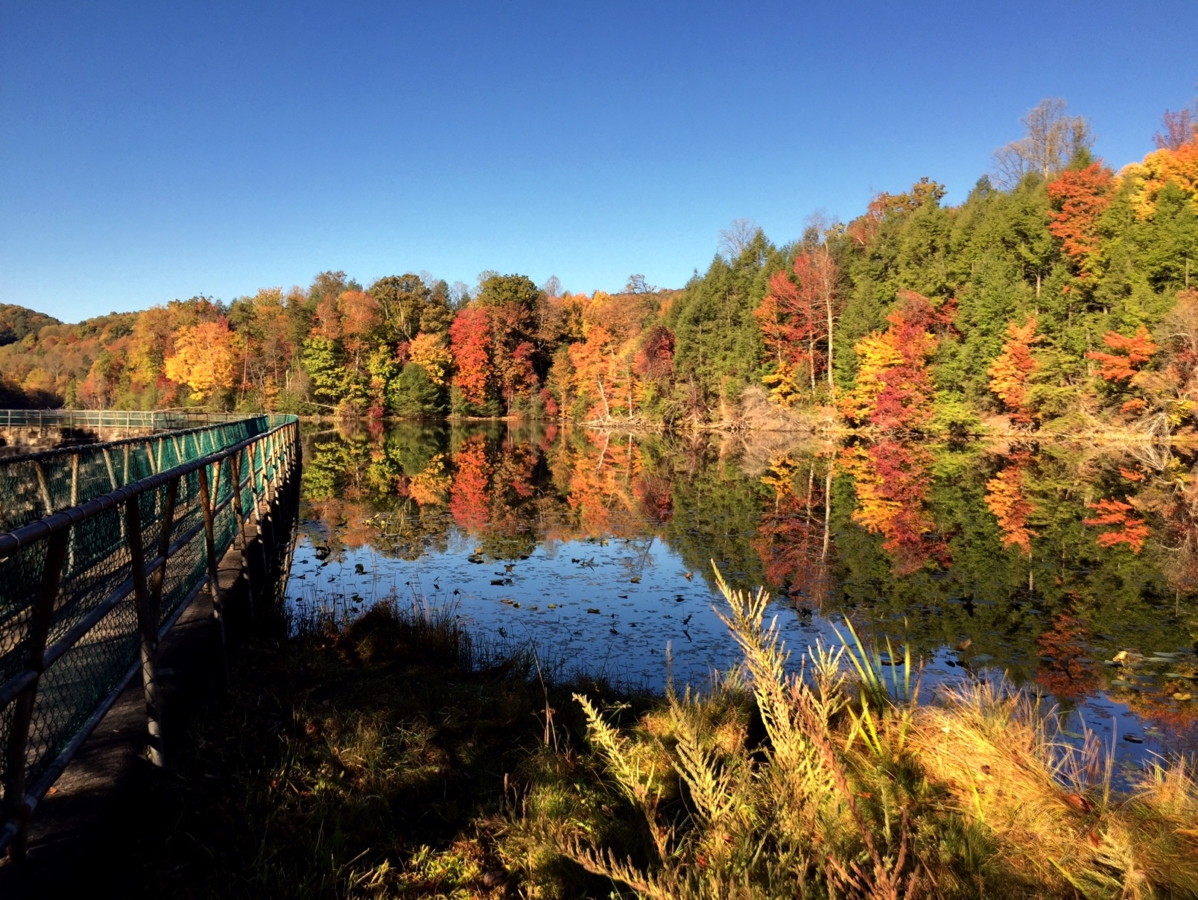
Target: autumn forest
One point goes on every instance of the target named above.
(1061, 295)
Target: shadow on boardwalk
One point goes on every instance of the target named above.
(83, 832)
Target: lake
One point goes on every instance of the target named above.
(1074, 572)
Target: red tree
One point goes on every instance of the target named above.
(1120, 516)
(469, 338)
(797, 318)
(789, 324)
(793, 540)
(470, 496)
(655, 358)
(1005, 498)
(894, 390)
(893, 479)
(1065, 666)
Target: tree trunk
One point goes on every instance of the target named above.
(828, 307)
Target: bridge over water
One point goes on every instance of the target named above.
(102, 547)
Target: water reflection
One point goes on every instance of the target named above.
(1073, 572)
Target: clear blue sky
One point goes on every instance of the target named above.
(158, 150)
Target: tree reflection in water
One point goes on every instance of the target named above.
(1038, 560)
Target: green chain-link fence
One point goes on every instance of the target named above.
(101, 547)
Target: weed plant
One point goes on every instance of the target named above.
(392, 756)
(834, 782)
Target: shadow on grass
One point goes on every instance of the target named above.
(390, 756)
(363, 759)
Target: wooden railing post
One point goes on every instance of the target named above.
(15, 805)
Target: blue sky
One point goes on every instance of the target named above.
(152, 151)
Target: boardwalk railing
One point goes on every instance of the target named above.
(87, 591)
(157, 420)
(33, 485)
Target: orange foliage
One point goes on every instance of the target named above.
(598, 494)
(205, 358)
(602, 373)
(1162, 167)
(1010, 370)
(1128, 527)
(654, 497)
(865, 228)
(470, 341)
(893, 390)
(1065, 667)
(1005, 498)
(1081, 197)
(794, 319)
(428, 487)
(791, 542)
(1129, 354)
(655, 359)
(469, 502)
(892, 480)
(361, 314)
(428, 351)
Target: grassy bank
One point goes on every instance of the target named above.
(390, 757)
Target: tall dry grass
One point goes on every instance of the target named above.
(835, 781)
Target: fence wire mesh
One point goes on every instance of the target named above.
(35, 485)
(93, 638)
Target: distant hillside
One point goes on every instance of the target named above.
(17, 321)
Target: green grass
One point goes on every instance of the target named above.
(390, 758)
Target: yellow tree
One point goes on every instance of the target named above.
(205, 358)
(429, 351)
(1159, 168)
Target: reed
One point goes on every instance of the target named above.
(833, 781)
(395, 755)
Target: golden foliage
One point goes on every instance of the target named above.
(1159, 168)
(205, 358)
(428, 350)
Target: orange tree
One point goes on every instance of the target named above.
(1010, 370)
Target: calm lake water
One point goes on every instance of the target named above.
(1040, 561)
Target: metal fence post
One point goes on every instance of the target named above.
(15, 805)
(258, 507)
(218, 602)
(148, 615)
(239, 511)
(74, 500)
(43, 487)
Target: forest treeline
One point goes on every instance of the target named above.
(1060, 294)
